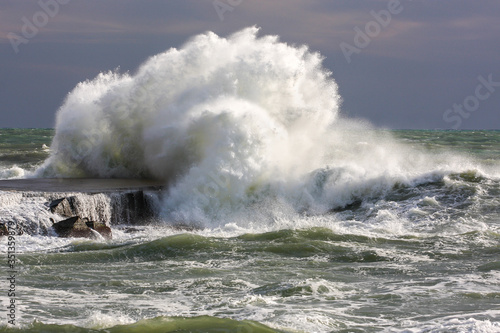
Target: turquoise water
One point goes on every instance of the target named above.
(418, 255)
(23, 149)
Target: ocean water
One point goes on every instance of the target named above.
(22, 150)
(278, 214)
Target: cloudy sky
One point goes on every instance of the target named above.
(411, 64)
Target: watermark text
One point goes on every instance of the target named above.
(373, 28)
(484, 89)
(11, 272)
(31, 27)
(224, 6)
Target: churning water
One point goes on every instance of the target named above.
(304, 221)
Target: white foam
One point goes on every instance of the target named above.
(241, 129)
(102, 320)
(462, 325)
(13, 172)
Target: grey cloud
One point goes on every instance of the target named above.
(425, 60)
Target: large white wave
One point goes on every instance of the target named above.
(226, 122)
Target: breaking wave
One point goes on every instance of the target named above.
(243, 126)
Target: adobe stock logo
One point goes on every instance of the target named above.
(30, 28)
(373, 28)
(471, 103)
(222, 7)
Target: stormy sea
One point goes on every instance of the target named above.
(267, 209)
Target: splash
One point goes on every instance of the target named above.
(235, 126)
(238, 97)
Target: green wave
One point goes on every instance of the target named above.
(282, 243)
(205, 324)
(302, 243)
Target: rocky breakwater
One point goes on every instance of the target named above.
(75, 225)
(76, 207)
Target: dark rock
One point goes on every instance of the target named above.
(64, 207)
(131, 230)
(132, 208)
(4, 231)
(77, 227)
(73, 227)
(101, 228)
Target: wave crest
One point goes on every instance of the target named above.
(239, 125)
(236, 97)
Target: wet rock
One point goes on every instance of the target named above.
(131, 230)
(4, 231)
(64, 207)
(73, 227)
(133, 208)
(81, 227)
(101, 228)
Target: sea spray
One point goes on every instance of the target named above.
(244, 107)
(240, 129)
(214, 95)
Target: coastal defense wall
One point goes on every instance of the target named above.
(36, 212)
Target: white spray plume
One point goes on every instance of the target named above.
(226, 122)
